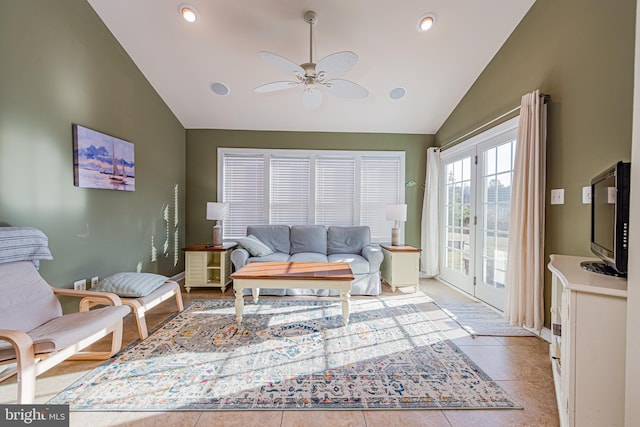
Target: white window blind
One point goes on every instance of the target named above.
(244, 190)
(335, 190)
(290, 191)
(379, 178)
(309, 187)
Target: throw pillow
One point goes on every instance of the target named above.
(131, 285)
(254, 246)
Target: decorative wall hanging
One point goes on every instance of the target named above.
(102, 161)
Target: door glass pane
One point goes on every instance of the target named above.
(497, 175)
(457, 211)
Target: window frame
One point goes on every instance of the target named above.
(313, 155)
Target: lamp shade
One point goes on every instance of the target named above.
(396, 213)
(217, 211)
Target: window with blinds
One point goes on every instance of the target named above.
(296, 187)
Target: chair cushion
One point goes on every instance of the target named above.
(347, 240)
(254, 245)
(274, 236)
(66, 330)
(147, 299)
(27, 300)
(358, 264)
(131, 285)
(308, 238)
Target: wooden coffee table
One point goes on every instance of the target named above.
(287, 275)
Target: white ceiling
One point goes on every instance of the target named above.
(437, 67)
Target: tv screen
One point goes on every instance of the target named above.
(610, 220)
(604, 214)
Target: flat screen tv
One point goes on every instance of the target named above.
(610, 220)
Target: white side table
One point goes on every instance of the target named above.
(208, 266)
(401, 266)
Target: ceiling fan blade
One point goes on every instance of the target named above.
(311, 97)
(272, 87)
(283, 63)
(336, 65)
(345, 89)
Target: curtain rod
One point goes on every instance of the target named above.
(546, 99)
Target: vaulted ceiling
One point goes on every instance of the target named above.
(436, 68)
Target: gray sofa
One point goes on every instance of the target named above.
(318, 243)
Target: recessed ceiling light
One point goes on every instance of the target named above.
(425, 22)
(188, 12)
(397, 93)
(219, 88)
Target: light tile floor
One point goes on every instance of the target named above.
(519, 364)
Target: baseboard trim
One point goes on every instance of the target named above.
(545, 334)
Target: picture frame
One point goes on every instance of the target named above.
(102, 161)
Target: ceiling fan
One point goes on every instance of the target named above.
(312, 76)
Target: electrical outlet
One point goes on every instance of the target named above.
(80, 285)
(94, 282)
(586, 195)
(557, 197)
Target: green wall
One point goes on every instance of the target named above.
(60, 65)
(581, 53)
(202, 160)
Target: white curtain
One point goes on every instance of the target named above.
(525, 264)
(429, 236)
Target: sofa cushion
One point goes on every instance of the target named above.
(308, 238)
(254, 245)
(274, 257)
(308, 257)
(358, 264)
(347, 240)
(274, 236)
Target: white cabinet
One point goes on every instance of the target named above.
(588, 343)
(400, 266)
(208, 266)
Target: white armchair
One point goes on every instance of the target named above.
(34, 333)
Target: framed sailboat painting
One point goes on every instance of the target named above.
(102, 161)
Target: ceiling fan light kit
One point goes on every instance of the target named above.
(313, 77)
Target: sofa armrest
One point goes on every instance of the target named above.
(374, 255)
(239, 258)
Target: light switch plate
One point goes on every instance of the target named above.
(586, 195)
(557, 196)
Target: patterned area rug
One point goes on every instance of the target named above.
(480, 320)
(289, 354)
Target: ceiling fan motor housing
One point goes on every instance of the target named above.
(311, 18)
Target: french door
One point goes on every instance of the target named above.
(476, 199)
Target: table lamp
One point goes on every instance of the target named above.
(396, 213)
(217, 212)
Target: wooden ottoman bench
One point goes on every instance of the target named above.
(141, 292)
